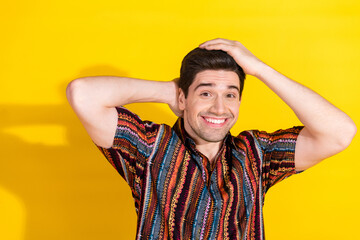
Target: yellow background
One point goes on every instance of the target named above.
(55, 184)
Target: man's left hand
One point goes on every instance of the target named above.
(243, 57)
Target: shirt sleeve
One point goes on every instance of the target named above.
(132, 145)
(278, 154)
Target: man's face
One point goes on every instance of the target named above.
(212, 105)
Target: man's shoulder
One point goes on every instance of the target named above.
(257, 132)
(127, 116)
(267, 136)
(133, 125)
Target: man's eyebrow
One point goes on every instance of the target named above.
(211, 85)
(234, 87)
(204, 85)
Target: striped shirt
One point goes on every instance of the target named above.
(178, 194)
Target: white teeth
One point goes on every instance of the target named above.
(215, 120)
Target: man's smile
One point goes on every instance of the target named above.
(215, 122)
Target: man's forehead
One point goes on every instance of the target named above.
(213, 78)
(214, 85)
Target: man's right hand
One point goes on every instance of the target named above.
(174, 105)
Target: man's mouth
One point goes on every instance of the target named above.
(215, 121)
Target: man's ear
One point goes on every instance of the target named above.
(181, 100)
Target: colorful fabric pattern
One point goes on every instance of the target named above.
(179, 195)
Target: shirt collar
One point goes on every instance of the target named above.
(188, 141)
(227, 146)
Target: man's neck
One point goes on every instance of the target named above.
(210, 150)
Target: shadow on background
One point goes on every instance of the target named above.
(67, 188)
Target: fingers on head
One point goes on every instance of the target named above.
(217, 41)
(217, 46)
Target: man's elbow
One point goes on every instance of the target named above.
(74, 91)
(346, 135)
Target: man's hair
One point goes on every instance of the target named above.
(199, 60)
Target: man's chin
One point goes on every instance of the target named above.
(213, 137)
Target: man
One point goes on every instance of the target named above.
(195, 180)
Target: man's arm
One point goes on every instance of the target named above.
(94, 100)
(327, 129)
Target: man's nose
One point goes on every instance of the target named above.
(218, 107)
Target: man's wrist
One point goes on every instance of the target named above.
(172, 93)
(261, 70)
(166, 92)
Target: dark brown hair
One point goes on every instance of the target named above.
(201, 59)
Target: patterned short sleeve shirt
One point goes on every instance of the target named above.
(178, 194)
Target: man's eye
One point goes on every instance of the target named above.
(205, 94)
(231, 95)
